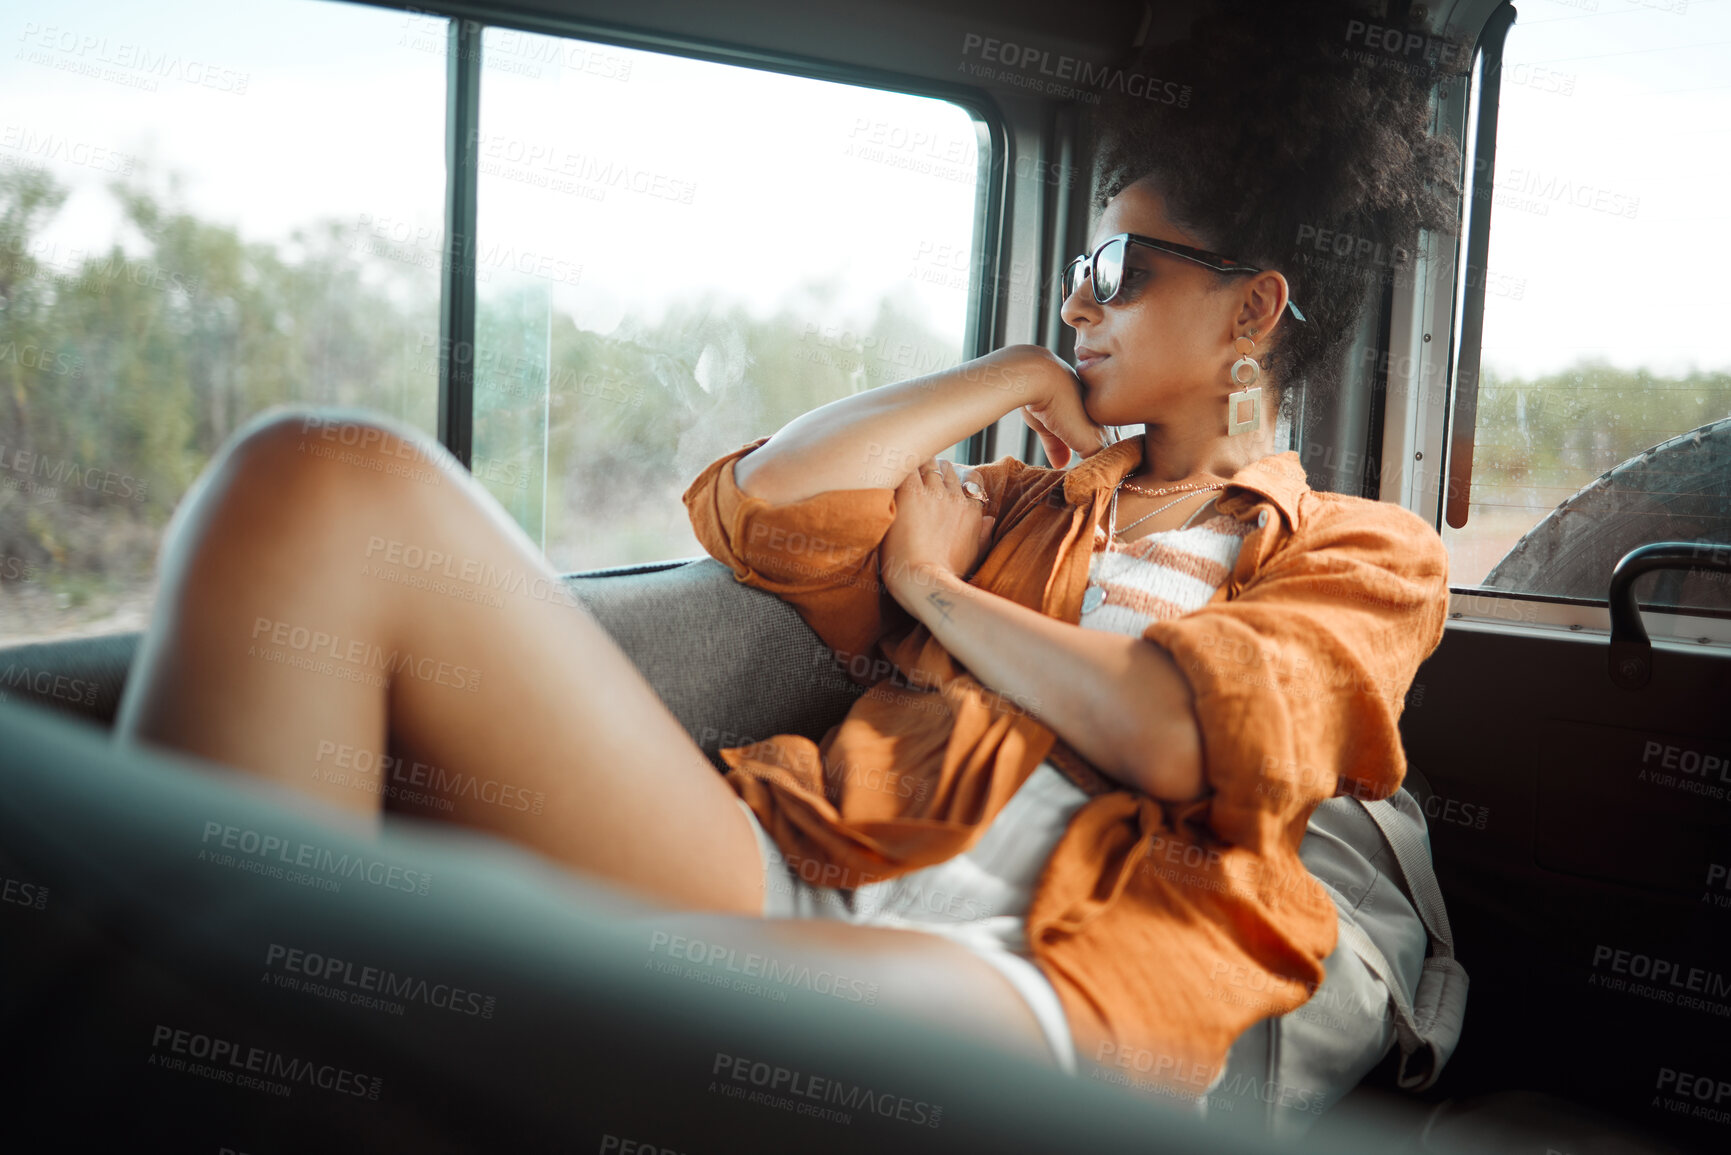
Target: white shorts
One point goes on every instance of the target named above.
(979, 898)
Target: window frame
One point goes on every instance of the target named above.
(468, 23)
(1416, 432)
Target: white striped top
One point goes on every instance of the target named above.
(1161, 575)
(980, 897)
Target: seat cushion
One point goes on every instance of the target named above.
(82, 677)
(732, 663)
(196, 960)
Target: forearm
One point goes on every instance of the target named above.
(1120, 702)
(875, 439)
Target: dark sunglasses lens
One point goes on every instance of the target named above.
(1108, 270)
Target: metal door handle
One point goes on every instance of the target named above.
(1631, 654)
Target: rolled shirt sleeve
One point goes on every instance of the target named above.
(1299, 676)
(819, 554)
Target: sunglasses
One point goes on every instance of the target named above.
(1105, 268)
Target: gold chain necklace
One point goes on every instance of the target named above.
(1188, 491)
(1095, 593)
(1163, 492)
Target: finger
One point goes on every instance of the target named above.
(1057, 452)
(947, 473)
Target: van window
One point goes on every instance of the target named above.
(674, 257)
(205, 209)
(1606, 384)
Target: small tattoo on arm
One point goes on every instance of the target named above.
(943, 603)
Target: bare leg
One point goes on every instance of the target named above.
(335, 590)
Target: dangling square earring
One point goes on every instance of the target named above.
(1246, 372)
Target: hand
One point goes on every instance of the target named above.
(938, 528)
(1057, 413)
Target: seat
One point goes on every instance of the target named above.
(733, 664)
(150, 923)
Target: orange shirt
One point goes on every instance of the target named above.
(1166, 929)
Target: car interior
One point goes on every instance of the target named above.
(1569, 742)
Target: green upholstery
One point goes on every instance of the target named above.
(151, 901)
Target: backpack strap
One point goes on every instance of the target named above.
(1428, 1027)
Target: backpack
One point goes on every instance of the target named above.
(1392, 979)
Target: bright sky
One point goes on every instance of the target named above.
(1611, 107)
(746, 182)
(279, 112)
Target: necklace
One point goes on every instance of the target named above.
(1163, 492)
(1095, 595)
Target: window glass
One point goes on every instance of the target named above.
(1606, 386)
(206, 208)
(675, 257)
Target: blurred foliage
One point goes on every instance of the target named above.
(123, 371)
(1540, 441)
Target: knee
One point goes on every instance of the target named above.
(348, 444)
(309, 461)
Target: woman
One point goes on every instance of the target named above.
(1134, 899)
